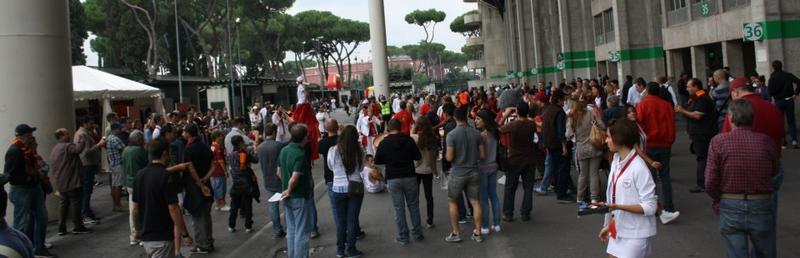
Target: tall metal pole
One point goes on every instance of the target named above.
(377, 33)
(230, 56)
(239, 57)
(178, 62)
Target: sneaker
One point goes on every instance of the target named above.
(667, 217)
(540, 192)
(453, 238)
(314, 234)
(429, 226)
(361, 235)
(200, 250)
(43, 254)
(496, 228)
(462, 221)
(566, 199)
(697, 189)
(48, 245)
(484, 231)
(401, 242)
(81, 230)
(231, 229)
(134, 242)
(279, 235)
(62, 232)
(225, 208)
(90, 221)
(355, 254)
(248, 230)
(477, 238)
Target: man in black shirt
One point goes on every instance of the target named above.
(701, 125)
(194, 201)
(782, 88)
(155, 205)
(398, 152)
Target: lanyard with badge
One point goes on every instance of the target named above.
(612, 225)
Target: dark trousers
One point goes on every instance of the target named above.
(345, 211)
(526, 171)
(241, 203)
(561, 164)
(88, 187)
(427, 185)
(787, 107)
(663, 155)
(700, 145)
(70, 206)
(463, 204)
(201, 225)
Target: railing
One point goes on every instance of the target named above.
(474, 41)
(470, 19)
(734, 4)
(677, 16)
(610, 36)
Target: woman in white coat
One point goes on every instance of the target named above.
(630, 224)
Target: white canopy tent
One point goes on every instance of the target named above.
(90, 83)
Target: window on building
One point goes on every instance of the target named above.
(676, 4)
(608, 16)
(734, 4)
(598, 30)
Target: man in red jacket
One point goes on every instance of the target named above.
(656, 117)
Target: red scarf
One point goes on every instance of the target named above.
(29, 156)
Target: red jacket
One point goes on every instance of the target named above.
(768, 120)
(657, 119)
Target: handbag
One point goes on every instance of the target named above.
(597, 136)
(355, 188)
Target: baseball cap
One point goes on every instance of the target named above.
(23, 129)
(739, 83)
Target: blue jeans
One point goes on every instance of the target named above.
(405, 193)
(88, 187)
(345, 213)
(314, 227)
(274, 211)
(298, 226)
(488, 192)
(333, 206)
(746, 222)
(777, 181)
(30, 213)
(663, 155)
(787, 107)
(548, 173)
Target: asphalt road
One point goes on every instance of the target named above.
(554, 231)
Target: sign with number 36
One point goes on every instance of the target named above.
(753, 31)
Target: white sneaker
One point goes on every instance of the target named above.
(226, 208)
(484, 231)
(231, 230)
(496, 228)
(667, 217)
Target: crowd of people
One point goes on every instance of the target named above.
(180, 164)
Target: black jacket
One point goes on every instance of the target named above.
(780, 85)
(398, 152)
(15, 168)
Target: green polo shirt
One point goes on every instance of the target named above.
(293, 160)
(134, 158)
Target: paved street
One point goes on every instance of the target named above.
(554, 230)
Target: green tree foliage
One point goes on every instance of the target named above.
(395, 51)
(78, 33)
(427, 19)
(468, 30)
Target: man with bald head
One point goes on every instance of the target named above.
(721, 94)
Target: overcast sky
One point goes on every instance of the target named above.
(398, 32)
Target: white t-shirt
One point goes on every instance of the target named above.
(321, 117)
(372, 187)
(301, 94)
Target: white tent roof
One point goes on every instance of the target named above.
(90, 83)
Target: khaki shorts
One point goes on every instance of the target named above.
(469, 183)
(118, 176)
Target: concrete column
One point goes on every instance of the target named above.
(674, 63)
(37, 73)
(377, 34)
(732, 57)
(565, 36)
(699, 62)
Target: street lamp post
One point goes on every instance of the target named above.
(239, 61)
(230, 57)
(178, 52)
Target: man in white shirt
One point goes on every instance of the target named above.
(396, 104)
(238, 124)
(281, 120)
(634, 96)
(264, 113)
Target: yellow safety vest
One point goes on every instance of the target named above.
(386, 108)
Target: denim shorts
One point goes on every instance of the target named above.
(219, 186)
(469, 183)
